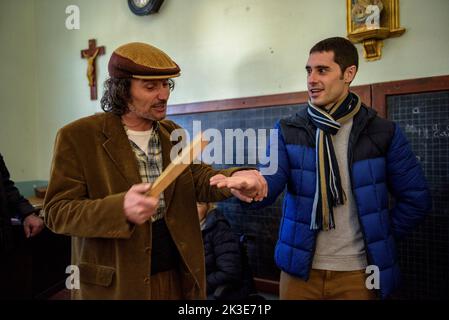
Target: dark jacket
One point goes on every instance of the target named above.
(12, 204)
(380, 162)
(222, 252)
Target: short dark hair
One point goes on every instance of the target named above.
(117, 95)
(345, 53)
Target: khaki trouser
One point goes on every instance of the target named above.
(326, 285)
(166, 286)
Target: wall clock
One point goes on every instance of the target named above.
(144, 7)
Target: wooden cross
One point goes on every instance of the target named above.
(91, 55)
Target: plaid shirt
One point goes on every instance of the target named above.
(150, 166)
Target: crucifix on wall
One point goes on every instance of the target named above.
(91, 55)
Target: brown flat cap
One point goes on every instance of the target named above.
(141, 61)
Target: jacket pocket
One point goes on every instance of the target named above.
(96, 274)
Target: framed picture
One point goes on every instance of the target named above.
(371, 21)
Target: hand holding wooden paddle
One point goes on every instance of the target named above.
(142, 200)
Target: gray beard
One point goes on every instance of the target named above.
(141, 114)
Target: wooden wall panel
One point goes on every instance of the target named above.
(256, 102)
(380, 91)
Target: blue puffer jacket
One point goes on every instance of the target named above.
(380, 161)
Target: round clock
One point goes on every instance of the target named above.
(144, 7)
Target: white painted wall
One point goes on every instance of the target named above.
(18, 104)
(226, 49)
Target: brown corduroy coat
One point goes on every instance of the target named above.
(93, 167)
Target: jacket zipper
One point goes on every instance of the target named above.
(353, 138)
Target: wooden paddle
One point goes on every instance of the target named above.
(177, 166)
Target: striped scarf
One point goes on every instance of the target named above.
(329, 192)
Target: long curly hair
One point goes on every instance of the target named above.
(117, 95)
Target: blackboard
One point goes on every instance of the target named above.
(424, 256)
(260, 226)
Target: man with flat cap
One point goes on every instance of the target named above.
(125, 244)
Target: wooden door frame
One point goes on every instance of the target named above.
(381, 91)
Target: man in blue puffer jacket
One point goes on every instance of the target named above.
(340, 162)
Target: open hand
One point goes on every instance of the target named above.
(246, 185)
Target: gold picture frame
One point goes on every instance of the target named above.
(370, 22)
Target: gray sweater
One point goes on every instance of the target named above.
(342, 248)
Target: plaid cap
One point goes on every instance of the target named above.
(141, 61)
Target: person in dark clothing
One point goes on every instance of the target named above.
(12, 204)
(222, 254)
